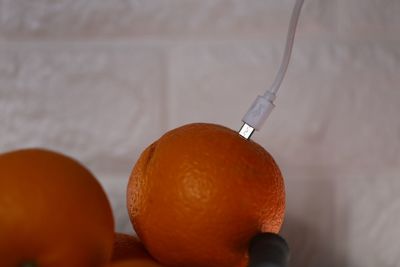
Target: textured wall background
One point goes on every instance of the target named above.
(99, 80)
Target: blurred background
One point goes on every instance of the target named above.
(100, 80)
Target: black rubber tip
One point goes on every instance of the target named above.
(268, 250)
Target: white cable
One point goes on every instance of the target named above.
(263, 105)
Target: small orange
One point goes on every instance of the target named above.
(135, 263)
(199, 194)
(128, 247)
(53, 212)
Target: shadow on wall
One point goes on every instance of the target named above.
(308, 248)
(311, 224)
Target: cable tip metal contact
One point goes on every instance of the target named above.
(246, 131)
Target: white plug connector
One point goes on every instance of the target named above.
(263, 105)
(257, 114)
(259, 111)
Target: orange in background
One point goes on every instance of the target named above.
(135, 263)
(128, 247)
(200, 193)
(128, 251)
(53, 212)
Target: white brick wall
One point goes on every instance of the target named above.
(100, 80)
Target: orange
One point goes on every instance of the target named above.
(53, 212)
(135, 263)
(129, 252)
(199, 194)
(128, 247)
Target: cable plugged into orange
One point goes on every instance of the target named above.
(263, 105)
(202, 194)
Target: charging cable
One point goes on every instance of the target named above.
(263, 105)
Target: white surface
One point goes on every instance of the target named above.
(99, 80)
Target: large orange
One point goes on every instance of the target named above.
(53, 212)
(200, 193)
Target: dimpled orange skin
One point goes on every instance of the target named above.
(199, 194)
(128, 247)
(53, 212)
